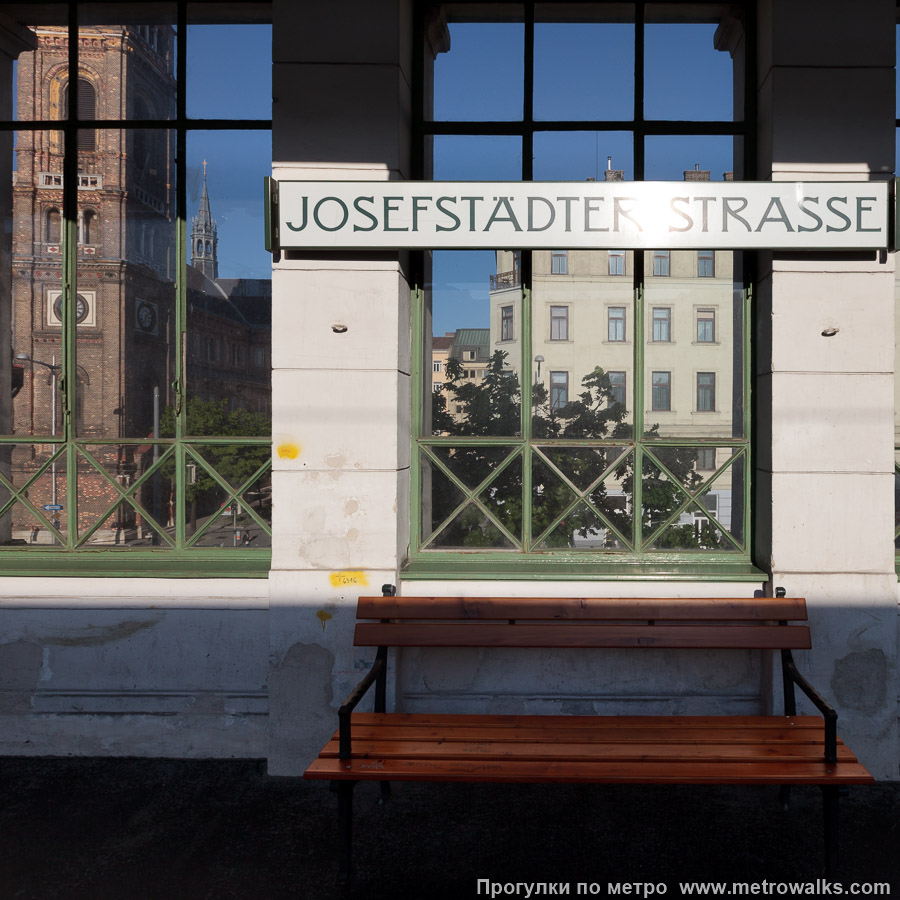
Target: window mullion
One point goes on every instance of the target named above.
(638, 401)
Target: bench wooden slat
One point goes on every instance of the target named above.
(510, 735)
(583, 750)
(486, 608)
(561, 721)
(607, 733)
(582, 635)
(589, 773)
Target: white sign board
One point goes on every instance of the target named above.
(387, 215)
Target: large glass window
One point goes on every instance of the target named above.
(579, 445)
(140, 422)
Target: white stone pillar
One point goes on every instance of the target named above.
(825, 404)
(340, 356)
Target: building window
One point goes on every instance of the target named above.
(706, 459)
(710, 502)
(437, 366)
(87, 109)
(469, 355)
(662, 392)
(616, 262)
(616, 323)
(559, 323)
(54, 233)
(506, 323)
(661, 262)
(706, 391)
(559, 390)
(137, 401)
(706, 326)
(617, 387)
(559, 262)
(662, 323)
(706, 263)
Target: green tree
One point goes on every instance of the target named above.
(491, 408)
(234, 462)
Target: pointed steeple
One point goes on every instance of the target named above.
(204, 237)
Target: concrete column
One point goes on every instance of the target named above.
(340, 353)
(825, 363)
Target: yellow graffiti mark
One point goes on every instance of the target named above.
(288, 451)
(344, 579)
(323, 617)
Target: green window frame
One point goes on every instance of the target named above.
(516, 462)
(174, 454)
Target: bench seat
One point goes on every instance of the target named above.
(588, 749)
(782, 750)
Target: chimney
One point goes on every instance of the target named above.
(612, 174)
(695, 174)
(728, 176)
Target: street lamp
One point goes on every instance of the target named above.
(54, 375)
(539, 360)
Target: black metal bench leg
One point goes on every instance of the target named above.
(385, 792)
(784, 797)
(830, 797)
(345, 827)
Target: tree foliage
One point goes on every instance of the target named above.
(234, 462)
(491, 408)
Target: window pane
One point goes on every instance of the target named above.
(140, 39)
(695, 320)
(559, 323)
(690, 158)
(480, 390)
(700, 90)
(229, 67)
(706, 391)
(33, 495)
(616, 318)
(477, 158)
(144, 516)
(661, 398)
(480, 76)
(236, 517)
(583, 155)
(229, 288)
(697, 337)
(706, 326)
(592, 46)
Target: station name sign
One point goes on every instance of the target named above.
(389, 215)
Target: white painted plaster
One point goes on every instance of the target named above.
(371, 304)
(340, 419)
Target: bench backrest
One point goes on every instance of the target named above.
(705, 623)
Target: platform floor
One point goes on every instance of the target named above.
(143, 828)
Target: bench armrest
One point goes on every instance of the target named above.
(375, 674)
(792, 673)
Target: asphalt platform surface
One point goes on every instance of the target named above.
(148, 828)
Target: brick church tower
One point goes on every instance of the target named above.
(204, 237)
(124, 310)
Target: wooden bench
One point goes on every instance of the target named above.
(778, 750)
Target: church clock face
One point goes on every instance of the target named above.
(81, 308)
(145, 316)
